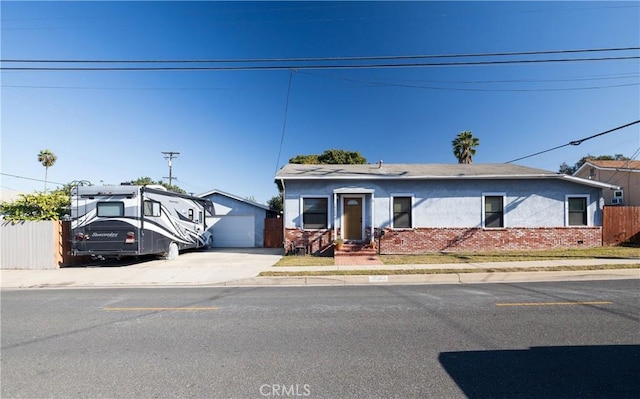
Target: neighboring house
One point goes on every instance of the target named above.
(625, 174)
(237, 222)
(412, 208)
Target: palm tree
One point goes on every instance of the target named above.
(464, 146)
(47, 159)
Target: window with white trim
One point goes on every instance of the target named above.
(577, 211)
(315, 213)
(402, 212)
(493, 210)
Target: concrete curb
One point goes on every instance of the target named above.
(452, 278)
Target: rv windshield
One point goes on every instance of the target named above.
(110, 209)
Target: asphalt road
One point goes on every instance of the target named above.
(534, 340)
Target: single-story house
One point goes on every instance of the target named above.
(625, 174)
(413, 208)
(237, 222)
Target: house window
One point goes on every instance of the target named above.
(577, 211)
(315, 213)
(493, 211)
(110, 209)
(401, 212)
(151, 208)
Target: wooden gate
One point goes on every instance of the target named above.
(273, 233)
(620, 224)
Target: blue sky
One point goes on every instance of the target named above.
(111, 126)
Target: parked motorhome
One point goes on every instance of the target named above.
(129, 220)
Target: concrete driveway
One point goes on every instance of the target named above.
(191, 268)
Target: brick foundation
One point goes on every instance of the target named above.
(424, 240)
(315, 242)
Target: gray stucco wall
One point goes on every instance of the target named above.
(223, 205)
(449, 203)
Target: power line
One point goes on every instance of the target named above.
(575, 142)
(396, 83)
(30, 178)
(322, 59)
(318, 66)
(416, 86)
(284, 122)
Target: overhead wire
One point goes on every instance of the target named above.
(318, 66)
(30, 178)
(575, 142)
(354, 62)
(415, 86)
(284, 121)
(322, 59)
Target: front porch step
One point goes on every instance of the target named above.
(356, 254)
(355, 250)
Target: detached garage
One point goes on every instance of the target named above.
(237, 222)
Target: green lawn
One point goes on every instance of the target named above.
(476, 257)
(509, 256)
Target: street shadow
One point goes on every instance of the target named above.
(126, 261)
(602, 371)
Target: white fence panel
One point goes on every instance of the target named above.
(29, 245)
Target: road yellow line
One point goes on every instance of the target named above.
(554, 303)
(139, 309)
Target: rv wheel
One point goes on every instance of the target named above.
(172, 253)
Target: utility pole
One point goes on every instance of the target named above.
(170, 155)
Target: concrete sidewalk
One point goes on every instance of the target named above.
(233, 268)
(478, 265)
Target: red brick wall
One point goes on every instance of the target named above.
(314, 241)
(423, 240)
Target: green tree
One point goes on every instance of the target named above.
(566, 169)
(275, 203)
(464, 146)
(569, 170)
(305, 159)
(147, 181)
(328, 157)
(36, 206)
(47, 159)
(333, 157)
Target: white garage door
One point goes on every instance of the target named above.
(233, 231)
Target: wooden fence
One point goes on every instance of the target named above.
(273, 233)
(621, 225)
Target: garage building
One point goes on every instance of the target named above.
(237, 222)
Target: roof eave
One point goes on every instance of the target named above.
(235, 197)
(560, 176)
(607, 168)
(588, 182)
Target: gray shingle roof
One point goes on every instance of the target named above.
(409, 171)
(425, 172)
